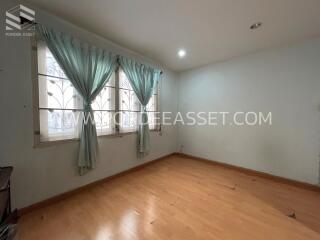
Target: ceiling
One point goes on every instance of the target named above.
(209, 30)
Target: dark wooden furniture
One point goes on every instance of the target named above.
(8, 218)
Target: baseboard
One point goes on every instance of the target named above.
(251, 172)
(68, 194)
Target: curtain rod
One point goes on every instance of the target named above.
(35, 23)
(161, 72)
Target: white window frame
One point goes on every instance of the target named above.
(36, 112)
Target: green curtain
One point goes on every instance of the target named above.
(88, 68)
(142, 79)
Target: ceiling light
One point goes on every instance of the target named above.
(182, 53)
(255, 25)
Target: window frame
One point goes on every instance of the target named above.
(36, 106)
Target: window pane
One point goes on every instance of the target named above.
(58, 93)
(105, 100)
(128, 100)
(152, 105)
(124, 100)
(112, 80)
(123, 80)
(128, 104)
(134, 102)
(104, 122)
(128, 121)
(152, 120)
(59, 124)
(47, 64)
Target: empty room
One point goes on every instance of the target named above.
(160, 120)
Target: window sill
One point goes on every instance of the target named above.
(72, 140)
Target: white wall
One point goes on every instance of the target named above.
(40, 173)
(285, 81)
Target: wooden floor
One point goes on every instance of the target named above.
(180, 198)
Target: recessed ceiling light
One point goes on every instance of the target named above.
(182, 53)
(255, 25)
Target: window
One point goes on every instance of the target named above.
(129, 106)
(104, 109)
(59, 102)
(59, 106)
